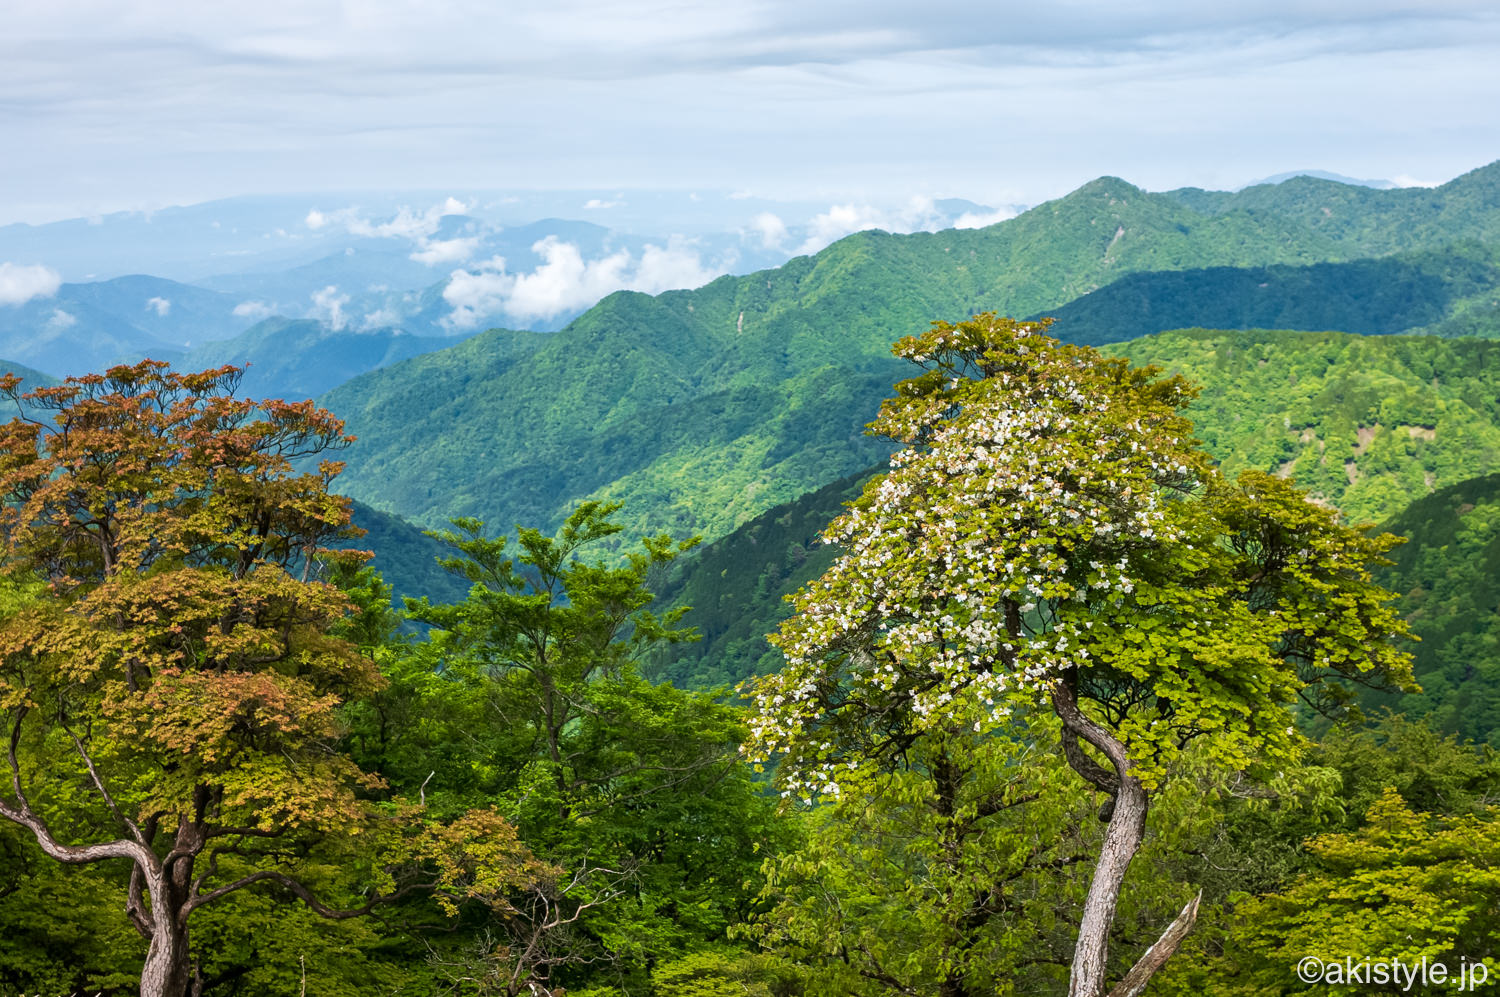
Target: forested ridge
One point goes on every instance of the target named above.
(701, 409)
(1090, 665)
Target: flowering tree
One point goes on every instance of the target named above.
(1052, 536)
(162, 646)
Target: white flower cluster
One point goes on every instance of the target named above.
(1029, 493)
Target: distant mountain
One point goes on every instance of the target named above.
(30, 378)
(701, 409)
(303, 358)
(405, 557)
(1364, 221)
(85, 327)
(1448, 292)
(1323, 175)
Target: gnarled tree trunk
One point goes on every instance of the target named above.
(1126, 812)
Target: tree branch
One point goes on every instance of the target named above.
(302, 893)
(130, 825)
(1157, 955)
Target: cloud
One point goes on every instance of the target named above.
(770, 228)
(328, 305)
(920, 214)
(1405, 181)
(61, 320)
(253, 310)
(315, 219)
(379, 318)
(160, 305)
(565, 282)
(407, 224)
(672, 267)
(19, 284)
(595, 204)
(477, 293)
(975, 219)
(434, 252)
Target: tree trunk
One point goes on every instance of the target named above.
(1127, 826)
(169, 969)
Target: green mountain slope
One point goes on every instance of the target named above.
(1367, 422)
(30, 378)
(1369, 222)
(702, 408)
(738, 585)
(1447, 292)
(1448, 577)
(300, 358)
(405, 557)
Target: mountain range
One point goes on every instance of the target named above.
(700, 409)
(736, 410)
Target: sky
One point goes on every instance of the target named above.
(108, 106)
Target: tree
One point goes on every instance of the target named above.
(1051, 536)
(1407, 885)
(527, 693)
(171, 655)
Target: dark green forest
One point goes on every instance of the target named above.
(1231, 479)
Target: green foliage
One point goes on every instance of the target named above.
(1406, 885)
(1052, 528)
(737, 587)
(1449, 577)
(949, 874)
(1255, 845)
(527, 694)
(1451, 292)
(1364, 423)
(701, 409)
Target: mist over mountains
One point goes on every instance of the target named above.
(75, 295)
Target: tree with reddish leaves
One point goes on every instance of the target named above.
(169, 684)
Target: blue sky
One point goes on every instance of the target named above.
(106, 106)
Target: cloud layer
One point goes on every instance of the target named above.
(1001, 102)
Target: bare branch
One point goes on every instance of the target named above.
(1157, 955)
(130, 825)
(302, 893)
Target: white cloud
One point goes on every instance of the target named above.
(770, 228)
(315, 219)
(61, 320)
(160, 305)
(252, 310)
(595, 204)
(565, 281)
(1406, 181)
(975, 219)
(446, 250)
(477, 293)
(379, 318)
(19, 284)
(838, 221)
(920, 214)
(672, 267)
(407, 224)
(328, 305)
